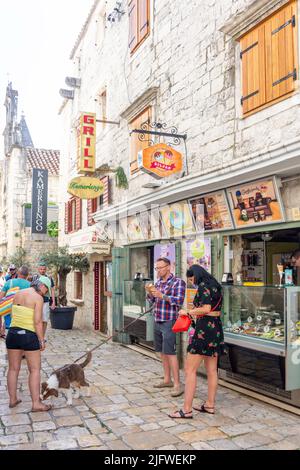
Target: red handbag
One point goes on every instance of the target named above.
(182, 323)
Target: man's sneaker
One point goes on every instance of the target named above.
(177, 391)
(164, 385)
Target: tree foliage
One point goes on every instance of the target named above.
(63, 263)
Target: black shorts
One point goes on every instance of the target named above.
(18, 338)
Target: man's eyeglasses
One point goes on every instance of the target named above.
(161, 267)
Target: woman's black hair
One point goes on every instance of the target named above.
(201, 275)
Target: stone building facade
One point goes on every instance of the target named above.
(187, 70)
(16, 186)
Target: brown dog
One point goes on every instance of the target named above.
(66, 378)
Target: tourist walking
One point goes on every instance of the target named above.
(20, 281)
(49, 300)
(26, 335)
(167, 297)
(207, 343)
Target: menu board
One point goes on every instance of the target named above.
(165, 251)
(189, 295)
(211, 212)
(255, 203)
(177, 219)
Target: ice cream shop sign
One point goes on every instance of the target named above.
(86, 138)
(160, 161)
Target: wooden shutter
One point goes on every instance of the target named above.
(135, 144)
(280, 37)
(252, 54)
(78, 206)
(66, 217)
(105, 181)
(90, 220)
(143, 25)
(133, 24)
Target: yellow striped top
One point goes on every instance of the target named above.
(22, 317)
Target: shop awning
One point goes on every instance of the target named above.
(90, 241)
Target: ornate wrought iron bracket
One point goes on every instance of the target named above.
(161, 130)
(173, 132)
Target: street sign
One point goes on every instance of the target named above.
(39, 200)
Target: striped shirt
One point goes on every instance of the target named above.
(174, 289)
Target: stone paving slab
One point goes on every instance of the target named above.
(124, 411)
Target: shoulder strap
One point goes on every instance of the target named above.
(217, 305)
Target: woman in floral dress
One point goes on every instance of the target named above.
(206, 344)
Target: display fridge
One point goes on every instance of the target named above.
(262, 335)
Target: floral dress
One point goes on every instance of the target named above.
(208, 338)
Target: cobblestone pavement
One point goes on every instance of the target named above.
(124, 411)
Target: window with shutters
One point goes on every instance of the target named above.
(139, 22)
(73, 215)
(135, 144)
(268, 56)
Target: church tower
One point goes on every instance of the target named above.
(14, 133)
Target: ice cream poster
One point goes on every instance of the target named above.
(255, 203)
(165, 251)
(211, 212)
(177, 219)
(199, 252)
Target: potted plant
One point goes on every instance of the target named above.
(63, 263)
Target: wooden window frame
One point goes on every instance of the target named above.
(134, 149)
(140, 38)
(74, 215)
(266, 100)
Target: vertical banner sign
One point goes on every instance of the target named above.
(86, 139)
(39, 200)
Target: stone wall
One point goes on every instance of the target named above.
(195, 68)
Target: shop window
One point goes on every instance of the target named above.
(135, 144)
(73, 215)
(139, 22)
(268, 56)
(78, 281)
(99, 203)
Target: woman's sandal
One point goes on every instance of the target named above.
(181, 415)
(204, 409)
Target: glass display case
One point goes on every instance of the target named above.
(134, 304)
(262, 333)
(256, 313)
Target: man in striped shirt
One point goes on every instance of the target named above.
(167, 296)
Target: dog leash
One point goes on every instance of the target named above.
(109, 338)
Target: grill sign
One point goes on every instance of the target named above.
(160, 161)
(39, 200)
(86, 138)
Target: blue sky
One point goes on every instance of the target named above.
(36, 38)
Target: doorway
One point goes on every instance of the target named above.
(100, 296)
